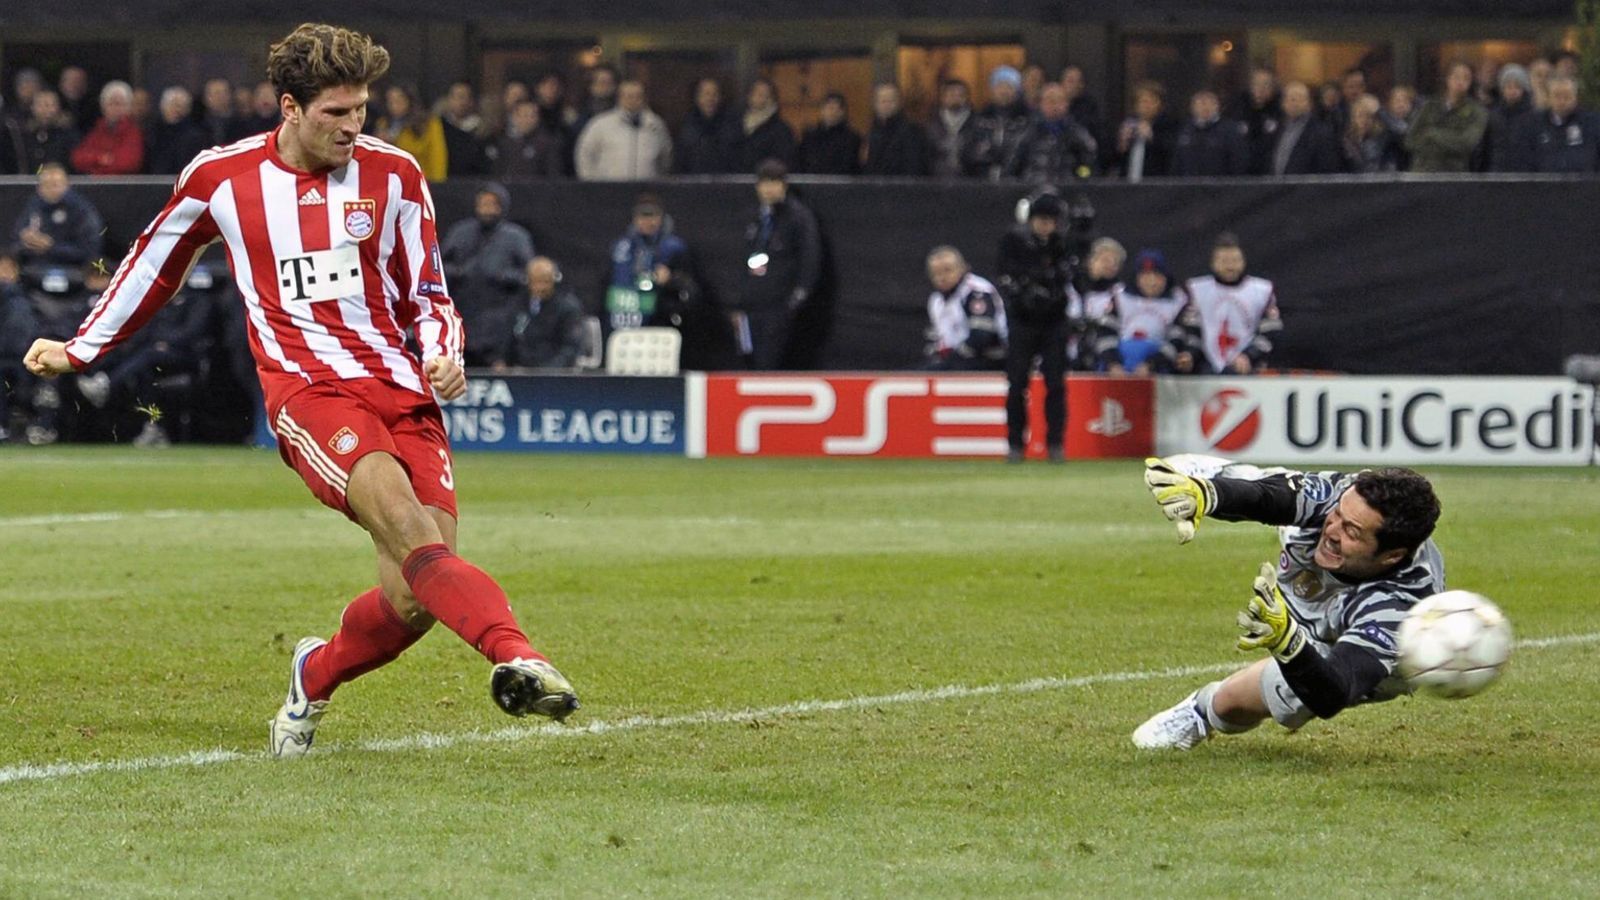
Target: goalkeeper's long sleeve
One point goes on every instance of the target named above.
(1330, 678)
(1278, 497)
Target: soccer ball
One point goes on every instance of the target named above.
(1454, 644)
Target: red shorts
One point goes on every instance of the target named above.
(324, 428)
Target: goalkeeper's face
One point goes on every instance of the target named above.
(325, 129)
(1349, 542)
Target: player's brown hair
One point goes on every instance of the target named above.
(317, 56)
(1406, 500)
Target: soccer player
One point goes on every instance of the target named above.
(1356, 555)
(331, 237)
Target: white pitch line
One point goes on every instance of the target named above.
(435, 741)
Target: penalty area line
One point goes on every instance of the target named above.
(512, 734)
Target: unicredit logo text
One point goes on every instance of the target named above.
(1425, 420)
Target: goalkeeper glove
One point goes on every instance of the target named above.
(1266, 623)
(1184, 499)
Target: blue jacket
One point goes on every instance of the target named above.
(71, 222)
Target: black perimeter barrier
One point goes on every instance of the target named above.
(1487, 275)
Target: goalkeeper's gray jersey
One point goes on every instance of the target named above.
(1364, 613)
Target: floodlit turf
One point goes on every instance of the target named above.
(149, 602)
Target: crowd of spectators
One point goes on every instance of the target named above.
(1506, 118)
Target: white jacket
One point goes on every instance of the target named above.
(613, 149)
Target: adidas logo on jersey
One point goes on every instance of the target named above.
(312, 197)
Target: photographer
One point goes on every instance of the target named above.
(1036, 263)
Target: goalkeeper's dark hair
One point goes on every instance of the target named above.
(316, 56)
(1407, 503)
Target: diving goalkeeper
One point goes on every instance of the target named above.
(1355, 556)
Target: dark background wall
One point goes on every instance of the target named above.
(1394, 277)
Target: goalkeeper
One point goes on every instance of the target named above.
(1355, 556)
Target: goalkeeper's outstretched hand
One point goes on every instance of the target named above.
(1184, 499)
(1266, 623)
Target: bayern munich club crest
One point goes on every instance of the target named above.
(1230, 420)
(360, 216)
(343, 441)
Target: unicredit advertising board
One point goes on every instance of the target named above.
(904, 415)
(1408, 421)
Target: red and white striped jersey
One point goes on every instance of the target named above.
(334, 267)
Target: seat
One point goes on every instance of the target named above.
(643, 351)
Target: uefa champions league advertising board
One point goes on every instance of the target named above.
(568, 414)
(1367, 421)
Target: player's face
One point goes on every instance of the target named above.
(325, 129)
(1349, 542)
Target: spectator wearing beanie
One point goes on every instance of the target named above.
(1000, 126)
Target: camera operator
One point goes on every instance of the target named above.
(1036, 268)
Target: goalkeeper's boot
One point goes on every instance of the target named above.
(1178, 728)
(525, 686)
(296, 723)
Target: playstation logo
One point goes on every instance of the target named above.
(1113, 420)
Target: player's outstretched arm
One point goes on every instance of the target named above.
(47, 358)
(1184, 499)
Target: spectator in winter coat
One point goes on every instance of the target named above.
(175, 139)
(707, 137)
(1563, 139)
(1260, 109)
(1369, 147)
(1448, 128)
(216, 113)
(46, 136)
(408, 125)
(952, 129)
(524, 150)
(484, 259)
(1145, 140)
(1306, 145)
(1516, 100)
(1055, 149)
(57, 226)
(763, 134)
(1083, 109)
(114, 146)
(604, 82)
(1210, 146)
(642, 264)
(462, 125)
(628, 143)
(548, 333)
(76, 102)
(831, 147)
(1000, 126)
(895, 145)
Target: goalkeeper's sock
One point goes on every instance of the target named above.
(1218, 723)
(467, 601)
(370, 635)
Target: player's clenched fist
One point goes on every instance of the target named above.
(47, 358)
(1184, 499)
(447, 378)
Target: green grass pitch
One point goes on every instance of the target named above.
(759, 647)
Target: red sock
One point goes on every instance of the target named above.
(467, 601)
(370, 634)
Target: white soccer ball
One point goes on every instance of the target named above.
(1454, 644)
